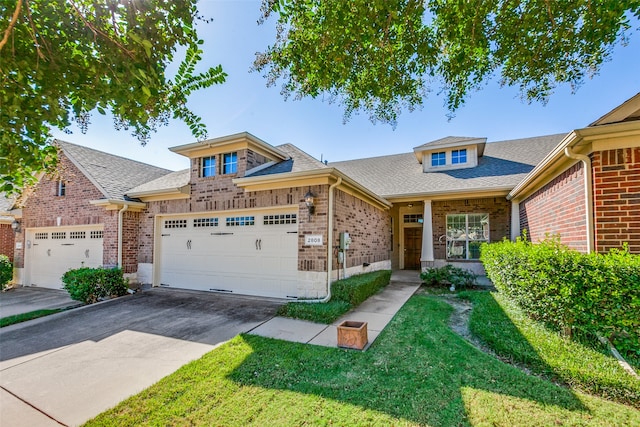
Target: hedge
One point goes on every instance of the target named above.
(89, 285)
(6, 271)
(356, 289)
(571, 291)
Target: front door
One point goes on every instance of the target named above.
(412, 248)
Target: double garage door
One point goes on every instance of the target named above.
(252, 254)
(51, 252)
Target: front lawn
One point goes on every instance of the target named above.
(418, 372)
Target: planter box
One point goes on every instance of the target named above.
(352, 334)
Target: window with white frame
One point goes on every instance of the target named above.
(208, 166)
(459, 156)
(62, 188)
(465, 234)
(439, 159)
(230, 163)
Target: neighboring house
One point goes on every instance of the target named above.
(7, 233)
(252, 218)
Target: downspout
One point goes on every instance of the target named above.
(588, 190)
(329, 245)
(120, 221)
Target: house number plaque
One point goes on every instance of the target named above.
(313, 240)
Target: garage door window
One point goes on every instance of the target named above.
(280, 219)
(59, 235)
(96, 234)
(41, 236)
(205, 222)
(77, 235)
(175, 223)
(240, 221)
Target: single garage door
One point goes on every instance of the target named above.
(251, 254)
(50, 252)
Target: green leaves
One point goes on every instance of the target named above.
(65, 59)
(384, 56)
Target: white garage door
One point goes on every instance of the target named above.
(252, 254)
(50, 252)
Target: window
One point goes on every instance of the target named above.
(77, 234)
(59, 235)
(412, 218)
(41, 236)
(208, 166)
(230, 164)
(62, 188)
(175, 223)
(465, 234)
(459, 156)
(205, 222)
(280, 219)
(240, 221)
(438, 159)
(96, 234)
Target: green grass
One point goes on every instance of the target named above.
(11, 320)
(346, 294)
(511, 334)
(418, 372)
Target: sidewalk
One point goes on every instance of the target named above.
(377, 311)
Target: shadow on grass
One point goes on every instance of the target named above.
(418, 370)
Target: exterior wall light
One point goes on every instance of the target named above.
(308, 200)
(15, 225)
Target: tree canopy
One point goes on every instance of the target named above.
(62, 59)
(383, 56)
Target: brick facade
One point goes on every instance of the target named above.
(498, 208)
(558, 208)
(44, 206)
(616, 198)
(368, 227)
(7, 240)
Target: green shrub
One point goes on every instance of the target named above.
(6, 271)
(570, 291)
(345, 293)
(356, 289)
(89, 285)
(448, 275)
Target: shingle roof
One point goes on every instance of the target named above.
(299, 161)
(169, 181)
(114, 175)
(450, 140)
(503, 165)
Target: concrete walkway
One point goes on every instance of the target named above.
(377, 311)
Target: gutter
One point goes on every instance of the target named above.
(329, 246)
(588, 193)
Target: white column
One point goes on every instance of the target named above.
(515, 220)
(427, 233)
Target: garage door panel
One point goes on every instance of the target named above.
(242, 254)
(51, 252)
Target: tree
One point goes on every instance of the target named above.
(62, 59)
(381, 56)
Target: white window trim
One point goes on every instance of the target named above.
(225, 163)
(451, 242)
(202, 166)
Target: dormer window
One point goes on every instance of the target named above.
(459, 156)
(230, 163)
(438, 159)
(208, 166)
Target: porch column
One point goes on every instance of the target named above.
(427, 233)
(515, 220)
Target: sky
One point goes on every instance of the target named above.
(245, 103)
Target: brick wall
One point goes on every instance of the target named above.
(7, 240)
(498, 208)
(616, 188)
(368, 227)
(44, 206)
(558, 208)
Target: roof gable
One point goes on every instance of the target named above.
(625, 112)
(112, 175)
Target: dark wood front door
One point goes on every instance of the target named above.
(412, 248)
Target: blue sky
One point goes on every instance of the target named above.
(244, 103)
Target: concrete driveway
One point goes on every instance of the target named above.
(27, 299)
(66, 368)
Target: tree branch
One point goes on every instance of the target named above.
(12, 24)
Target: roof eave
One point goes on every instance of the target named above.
(186, 149)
